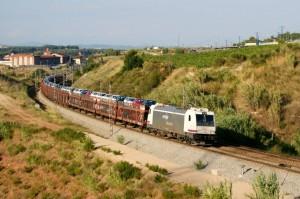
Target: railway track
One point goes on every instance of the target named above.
(290, 164)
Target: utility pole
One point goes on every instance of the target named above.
(100, 86)
(281, 35)
(183, 100)
(110, 111)
(239, 41)
(257, 39)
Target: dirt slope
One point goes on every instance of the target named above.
(11, 111)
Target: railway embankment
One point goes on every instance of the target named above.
(181, 158)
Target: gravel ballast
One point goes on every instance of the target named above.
(228, 167)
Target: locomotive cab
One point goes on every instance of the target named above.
(199, 125)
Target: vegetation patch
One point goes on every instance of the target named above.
(158, 169)
(200, 165)
(127, 171)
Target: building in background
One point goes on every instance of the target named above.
(47, 58)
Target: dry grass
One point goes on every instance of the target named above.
(91, 80)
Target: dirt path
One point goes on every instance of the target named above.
(15, 112)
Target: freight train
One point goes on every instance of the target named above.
(193, 125)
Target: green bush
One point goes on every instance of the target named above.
(237, 58)
(2, 167)
(158, 169)
(106, 149)
(169, 194)
(256, 95)
(16, 180)
(88, 145)
(28, 130)
(220, 61)
(132, 60)
(265, 187)
(36, 159)
(159, 179)
(117, 152)
(28, 169)
(200, 165)
(191, 190)
(223, 191)
(16, 149)
(179, 51)
(127, 171)
(240, 128)
(96, 164)
(129, 194)
(121, 139)
(6, 130)
(74, 168)
(68, 135)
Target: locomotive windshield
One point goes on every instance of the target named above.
(205, 120)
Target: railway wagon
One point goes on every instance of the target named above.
(133, 114)
(193, 125)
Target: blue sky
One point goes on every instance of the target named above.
(144, 22)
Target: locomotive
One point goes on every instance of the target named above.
(193, 125)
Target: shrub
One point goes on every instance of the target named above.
(11, 171)
(129, 194)
(220, 61)
(169, 194)
(121, 139)
(265, 187)
(127, 171)
(223, 191)
(159, 179)
(29, 130)
(68, 135)
(16, 149)
(28, 169)
(88, 145)
(200, 165)
(6, 130)
(256, 95)
(275, 105)
(46, 147)
(16, 180)
(191, 190)
(117, 152)
(179, 51)
(158, 169)
(74, 168)
(101, 187)
(96, 164)
(106, 149)
(132, 60)
(1, 167)
(36, 159)
(237, 58)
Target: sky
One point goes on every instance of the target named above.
(184, 23)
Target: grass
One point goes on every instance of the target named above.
(16, 149)
(200, 165)
(158, 169)
(121, 139)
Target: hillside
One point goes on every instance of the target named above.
(254, 91)
(42, 155)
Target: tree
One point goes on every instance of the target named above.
(265, 188)
(132, 60)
